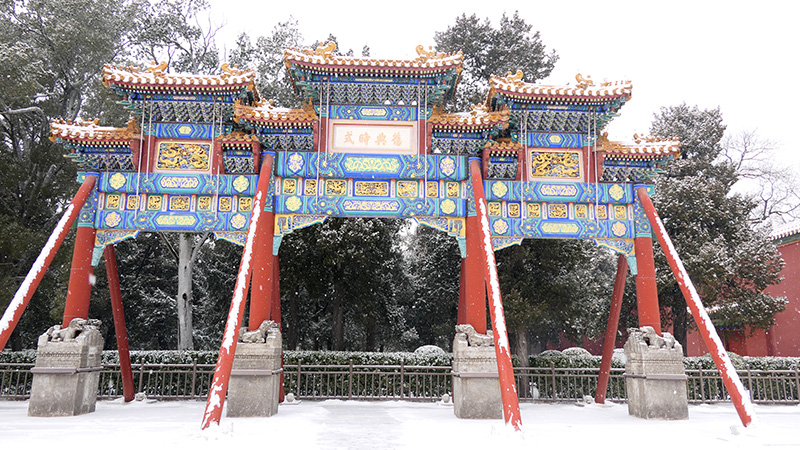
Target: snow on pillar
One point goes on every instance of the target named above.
(739, 396)
(222, 372)
(81, 276)
(508, 387)
(25, 291)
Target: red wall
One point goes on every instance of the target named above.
(782, 339)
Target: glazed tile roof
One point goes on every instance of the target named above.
(478, 117)
(266, 113)
(584, 90)
(643, 147)
(155, 76)
(324, 59)
(91, 131)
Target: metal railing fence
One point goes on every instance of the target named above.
(405, 382)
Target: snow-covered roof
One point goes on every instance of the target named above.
(643, 147)
(90, 131)
(479, 116)
(156, 76)
(585, 89)
(266, 112)
(323, 58)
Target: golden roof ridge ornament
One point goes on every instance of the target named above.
(157, 69)
(515, 78)
(325, 50)
(583, 82)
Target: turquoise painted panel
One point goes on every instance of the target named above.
(373, 112)
(369, 166)
(173, 221)
(547, 191)
(369, 206)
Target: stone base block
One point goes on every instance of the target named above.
(255, 382)
(655, 379)
(66, 375)
(476, 385)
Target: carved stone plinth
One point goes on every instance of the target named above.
(655, 379)
(476, 385)
(66, 373)
(255, 383)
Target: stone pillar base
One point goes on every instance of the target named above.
(67, 370)
(254, 387)
(476, 385)
(655, 379)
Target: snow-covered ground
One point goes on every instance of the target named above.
(337, 424)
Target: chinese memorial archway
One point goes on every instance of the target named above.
(206, 153)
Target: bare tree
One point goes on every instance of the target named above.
(774, 186)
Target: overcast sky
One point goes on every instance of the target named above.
(740, 56)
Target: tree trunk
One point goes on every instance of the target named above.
(372, 333)
(338, 320)
(185, 265)
(521, 351)
(293, 322)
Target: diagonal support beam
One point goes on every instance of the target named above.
(739, 396)
(222, 372)
(23, 295)
(508, 387)
(119, 323)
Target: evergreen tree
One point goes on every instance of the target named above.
(729, 262)
(491, 51)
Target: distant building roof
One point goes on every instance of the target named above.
(786, 233)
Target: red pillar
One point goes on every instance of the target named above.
(505, 371)
(25, 291)
(646, 288)
(611, 329)
(462, 295)
(119, 323)
(80, 277)
(474, 284)
(262, 289)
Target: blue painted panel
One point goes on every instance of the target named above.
(556, 140)
(175, 183)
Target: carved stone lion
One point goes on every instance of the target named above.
(474, 338)
(259, 335)
(650, 336)
(76, 326)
